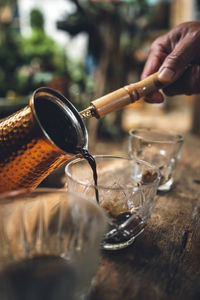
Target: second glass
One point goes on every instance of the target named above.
(126, 190)
(160, 148)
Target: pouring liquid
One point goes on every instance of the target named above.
(90, 159)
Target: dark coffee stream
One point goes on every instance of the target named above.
(93, 166)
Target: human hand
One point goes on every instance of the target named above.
(177, 57)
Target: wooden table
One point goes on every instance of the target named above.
(164, 262)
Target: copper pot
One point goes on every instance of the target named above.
(39, 138)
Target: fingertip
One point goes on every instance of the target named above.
(166, 75)
(156, 97)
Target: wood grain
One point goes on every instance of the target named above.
(164, 262)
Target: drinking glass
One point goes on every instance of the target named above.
(126, 189)
(160, 148)
(49, 244)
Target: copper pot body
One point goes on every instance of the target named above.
(27, 151)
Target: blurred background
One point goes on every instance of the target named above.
(85, 49)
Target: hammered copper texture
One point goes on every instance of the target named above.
(26, 155)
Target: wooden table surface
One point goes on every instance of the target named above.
(164, 262)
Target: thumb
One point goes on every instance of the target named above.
(176, 62)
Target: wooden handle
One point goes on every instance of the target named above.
(126, 95)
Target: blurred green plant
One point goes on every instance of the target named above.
(27, 63)
(39, 46)
(11, 58)
(44, 59)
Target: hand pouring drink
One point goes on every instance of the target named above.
(40, 137)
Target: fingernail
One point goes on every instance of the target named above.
(166, 74)
(154, 98)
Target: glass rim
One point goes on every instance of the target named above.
(176, 135)
(18, 195)
(75, 160)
